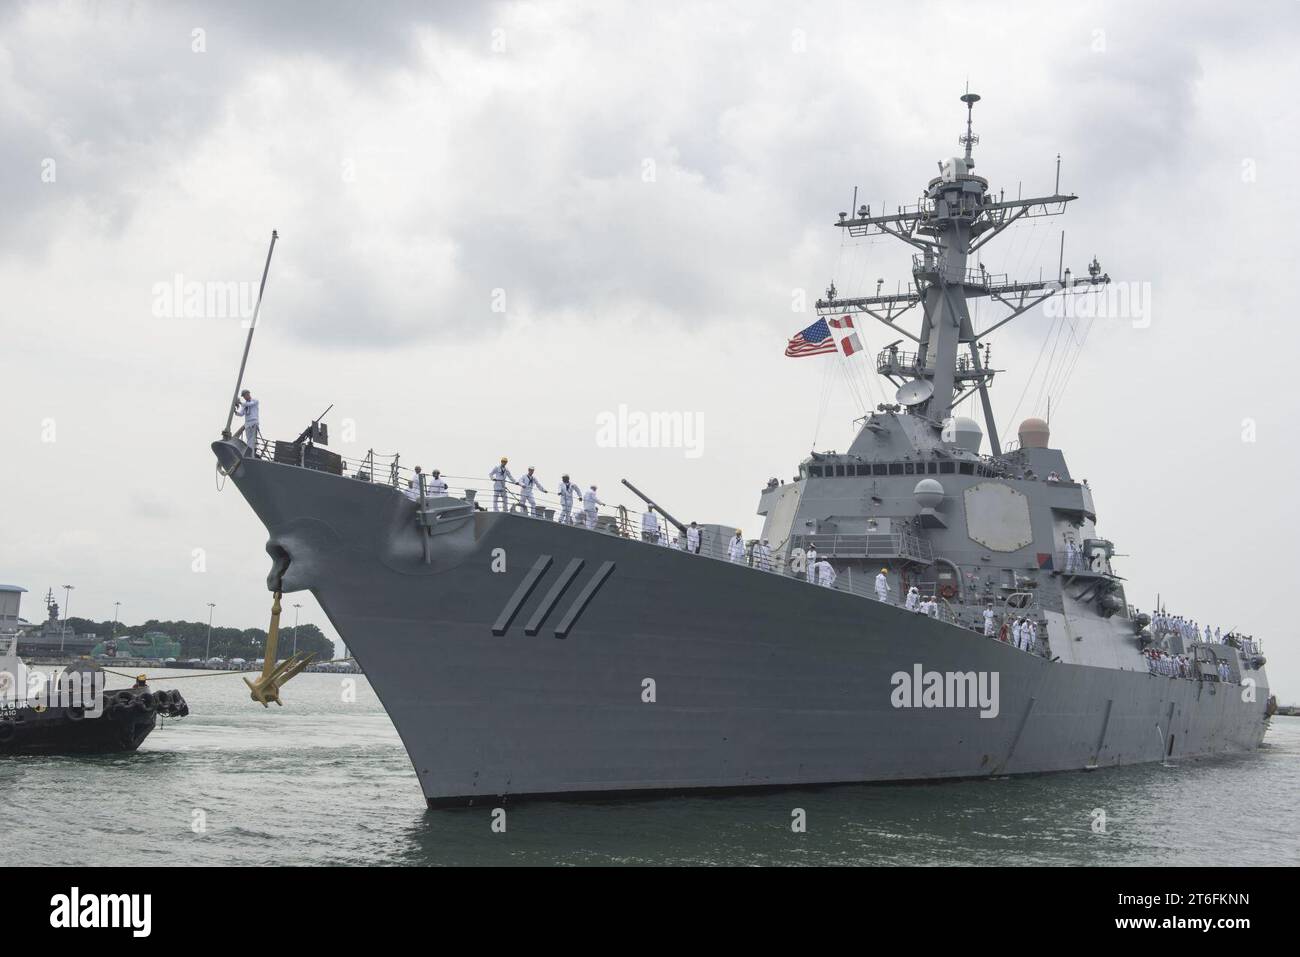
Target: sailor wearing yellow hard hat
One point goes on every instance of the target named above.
(500, 476)
(882, 585)
(736, 548)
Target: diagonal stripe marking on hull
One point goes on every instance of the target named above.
(548, 603)
(584, 596)
(521, 593)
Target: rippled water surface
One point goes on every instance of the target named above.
(325, 781)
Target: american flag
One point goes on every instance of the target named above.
(814, 341)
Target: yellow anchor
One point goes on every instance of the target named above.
(267, 687)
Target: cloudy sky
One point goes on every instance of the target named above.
(499, 222)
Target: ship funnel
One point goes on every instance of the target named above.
(1034, 434)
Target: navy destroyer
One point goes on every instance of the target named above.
(549, 649)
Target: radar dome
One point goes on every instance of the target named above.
(1034, 434)
(964, 433)
(928, 492)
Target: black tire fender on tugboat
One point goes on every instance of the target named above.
(7, 730)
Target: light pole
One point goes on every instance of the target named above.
(67, 600)
(207, 650)
(116, 606)
(296, 606)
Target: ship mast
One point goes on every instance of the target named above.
(956, 217)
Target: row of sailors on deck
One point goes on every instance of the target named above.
(913, 602)
(1160, 662)
(433, 485)
(1163, 623)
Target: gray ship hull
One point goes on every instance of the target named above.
(509, 669)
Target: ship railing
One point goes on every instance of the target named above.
(883, 545)
(625, 521)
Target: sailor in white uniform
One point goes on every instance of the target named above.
(589, 505)
(763, 556)
(736, 548)
(882, 585)
(810, 560)
(913, 599)
(990, 622)
(417, 487)
(1030, 632)
(1016, 638)
(527, 482)
(693, 539)
(663, 535)
(568, 492)
(825, 573)
(500, 476)
(249, 411)
(436, 486)
(1071, 555)
(650, 526)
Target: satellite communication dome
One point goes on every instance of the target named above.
(964, 433)
(1034, 434)
(928, 493)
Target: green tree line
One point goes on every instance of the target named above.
(226, 642)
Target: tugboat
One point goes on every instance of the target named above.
(74, 714)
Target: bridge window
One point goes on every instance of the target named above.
(839, 471)
(895, 468)
(946, 468)
(815, 471)
(879, 470)
(932, 467)
(909, 468)
(966, 468)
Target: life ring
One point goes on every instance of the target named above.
(948, 590)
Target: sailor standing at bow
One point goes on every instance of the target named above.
(882, 585)
(693, 539)
(589, 504)
(527, 482)
(736, 549)
(810, 560)
(568, 492)
(500, 476)
(990, 629)
(252, 427)
(650, 526)
(435, 484)
(418, 488)
(913, 599)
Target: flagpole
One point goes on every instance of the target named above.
(230, 415)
